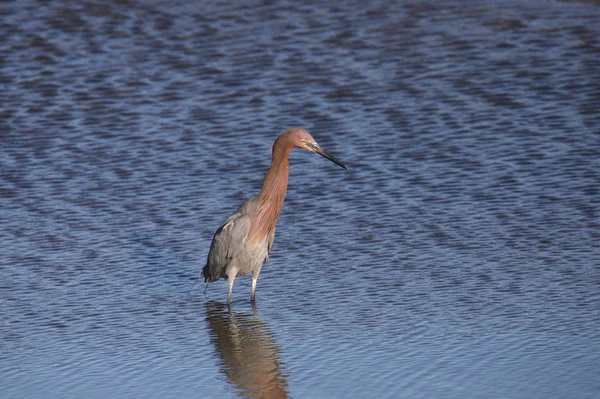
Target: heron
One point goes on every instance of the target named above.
(243, 242)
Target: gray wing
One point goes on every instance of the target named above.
(228, 240)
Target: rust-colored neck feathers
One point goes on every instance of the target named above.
(273, 191)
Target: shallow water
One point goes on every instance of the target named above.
(457, 257)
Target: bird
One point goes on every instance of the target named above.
(243, 242)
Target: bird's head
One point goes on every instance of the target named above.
(302, 139)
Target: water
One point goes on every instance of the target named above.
(457, 257)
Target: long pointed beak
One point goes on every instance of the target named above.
(320, 151)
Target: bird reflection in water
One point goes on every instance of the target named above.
(248, 352)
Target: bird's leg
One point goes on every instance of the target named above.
(253, 295)
(230, 278)
(255, 274)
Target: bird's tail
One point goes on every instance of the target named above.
(206, 274)
(203, 273)
(210, 276)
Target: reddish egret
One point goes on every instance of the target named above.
(244, 240)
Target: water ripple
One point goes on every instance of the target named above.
(457, 256)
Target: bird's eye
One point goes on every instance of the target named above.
(303, 141)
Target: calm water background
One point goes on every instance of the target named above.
(458, 256)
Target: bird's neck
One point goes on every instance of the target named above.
(275, 184)
(271, 195)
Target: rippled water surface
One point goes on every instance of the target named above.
(457, 257)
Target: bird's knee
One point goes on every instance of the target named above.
(231, 274)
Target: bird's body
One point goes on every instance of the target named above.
(230, 251)
(244, 240)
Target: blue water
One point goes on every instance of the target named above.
(457, 257)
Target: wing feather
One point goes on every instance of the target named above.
(228, 241)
